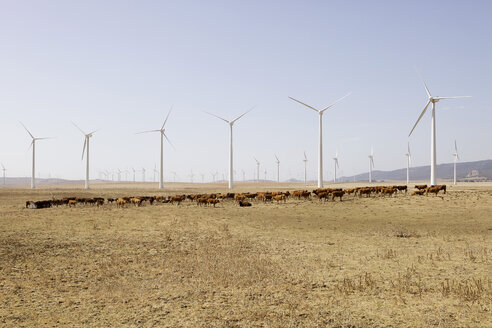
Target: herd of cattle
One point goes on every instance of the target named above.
(242, 199)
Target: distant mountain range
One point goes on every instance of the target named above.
(467, 171)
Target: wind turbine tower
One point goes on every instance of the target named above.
(456, 158)
(409, 156)
(86, 146)
(305, 160)
(320, 138)
(257, 170)
(231, 164)
(4, 169)
(371, 164)
(433, 100)
(163, 135)
(33, 145)
(335, 159)
(278, 168)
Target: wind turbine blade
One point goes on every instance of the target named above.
(243, 114)
(336, 161)
(148, 131)
(423, 112)
(26, 130)
(79, 128)
(3, 167)
(372, 161)
(44, 138)
(425, 85)
(455, 147)
(372, 152)
(300, 102)
(277, 158)
(167, 117)
(257, 162)
(30, 145)
(409, 154)
(457, 97)
(83, 149)
(305, 157)
(220, 118)
(91, 133)
(169, 141)
(331, 105)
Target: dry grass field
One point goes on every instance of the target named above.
(407, 261)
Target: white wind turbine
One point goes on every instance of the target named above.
(257, 170)
(143, 174)
(133, 169)
(231, 124)
(409, 156)
(33, 145)
(119, 175)
(4, 169)
(456, 158)
(433, 100)
(320, 140)
(163, 135)
(278, 168)
(305, 160)
(86, 146)
(371, 164)
(335, 159)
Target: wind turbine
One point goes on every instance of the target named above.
(119, 175)
(133, 169)
(371, 164)
(231, 124)
(433, 100)
(143, 174)
(174, 176)
(320, 140)
(163, 135)
(244, 175)
(86, 145)
(155, 172)
(278, 168)
(33, 145)
(4, 169)
(265, 175)
(336, 165)
(409, 155)
(456, 158)
(305, 167)
(257, 170)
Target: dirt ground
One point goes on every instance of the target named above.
(406, 261)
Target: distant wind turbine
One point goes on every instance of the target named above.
(86, 146)
(336, 165)
(231, 157)
(305, 160)
(371, 164)
(163, 135)
(433, 100)
(143, 174)
(133, 169)
(257, 170)
(4, 169)
(33, 145)
(456, 158)
(278, 168)
(409, 156)
(320, 139)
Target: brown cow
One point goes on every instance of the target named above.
(279, 198)
(418, 192)
(213, 201)
(244, 203)
(420, 187)
(337, 193)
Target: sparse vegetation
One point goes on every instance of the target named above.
(363, 262)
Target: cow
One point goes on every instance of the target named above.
(337, 193)
(322, 194)
(279, 198)
(178, 199)
(402, 188)
(244, 203)
(213, 201)
(365, 191)
(433, 189)
(418, 192)
(120, 202)
(420, 187)
(72, 202)
(389, 191)
(202, 201)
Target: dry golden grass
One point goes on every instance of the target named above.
(403, 261)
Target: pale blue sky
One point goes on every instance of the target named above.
(118, 66)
